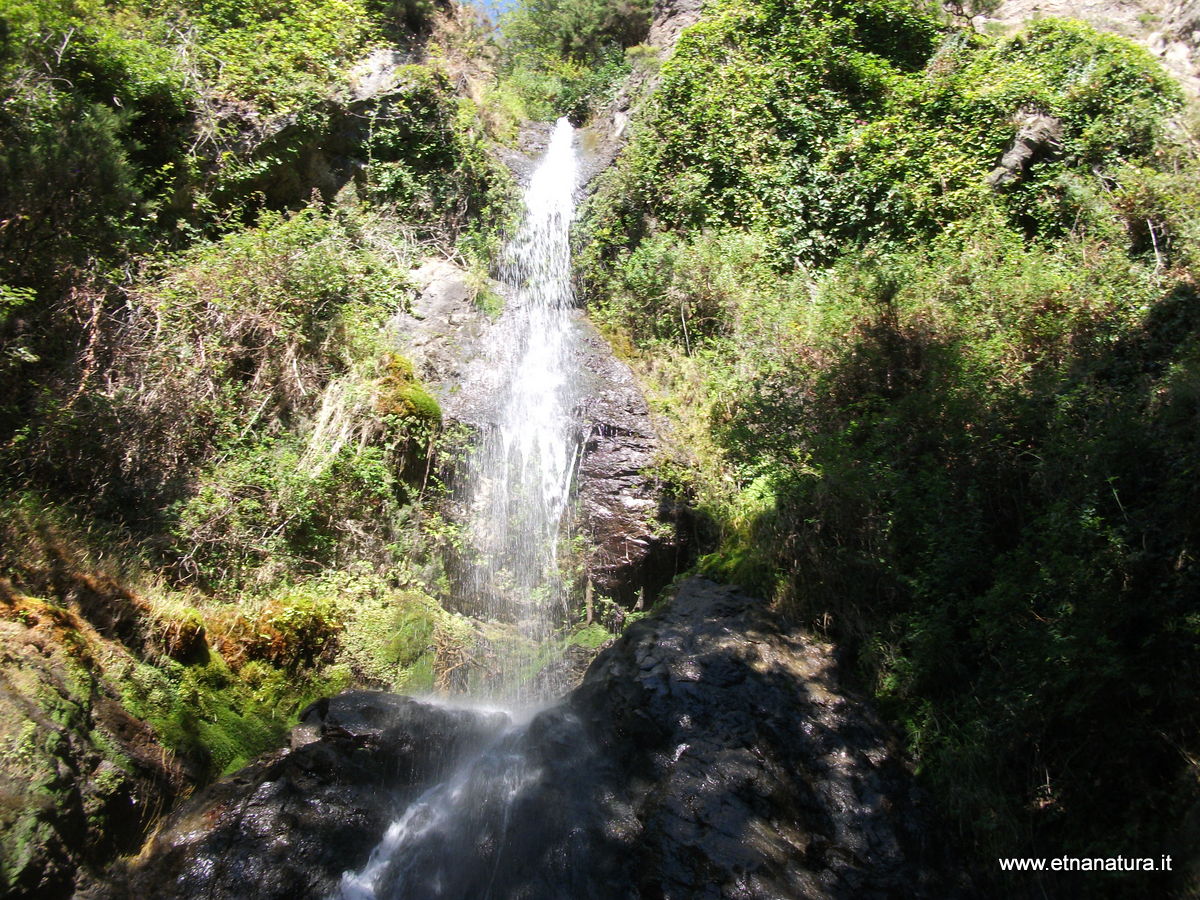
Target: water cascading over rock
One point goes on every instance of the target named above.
(707, 753)
(518, 480)
(517, 486)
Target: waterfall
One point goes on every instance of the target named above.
(518, 480)
(450, 842)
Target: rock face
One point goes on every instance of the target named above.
(605, 136)
(707, 754)
(80, 778)
(1038, 137)
(636, 542)
(635, 546)
(747, 771)
(443, 330)
(288, 825)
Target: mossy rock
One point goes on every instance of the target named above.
(400, 395)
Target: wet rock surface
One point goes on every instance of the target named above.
(632, 526)
(288, 825)
(708, 753)
(635, 546)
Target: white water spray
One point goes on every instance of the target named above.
(518, 488)
(519, 479)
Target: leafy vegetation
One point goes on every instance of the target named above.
(218, 472)
(951, 425)
(566, 57)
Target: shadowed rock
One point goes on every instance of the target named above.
(289, 824)
(635, 546)
(707, 754)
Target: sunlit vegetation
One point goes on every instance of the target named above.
(220, 478)
(952, 426)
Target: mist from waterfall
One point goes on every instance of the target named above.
(518, 479)
(450, 842)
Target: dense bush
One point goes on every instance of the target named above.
(953, 427)
(567, 57)
(814, 129)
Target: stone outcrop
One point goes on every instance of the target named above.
(634, 532)
(709, 753)
(1039, 137)
(324, 148)
(747, 770)
(288, 825)
(606, 134)
(443, 331)
(81, 779)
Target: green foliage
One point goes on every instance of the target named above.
(278, 55)
(428, 156)
(92, 105)
(68, 190)
(761, 123)
(951, 426)
(590, 637)
(566, 57)
(405, 640)
(261, 511)
(583, 31)
(217, 718)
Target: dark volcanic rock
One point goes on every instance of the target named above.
(636, 547)
(707, 754)
(748, 771)
(288, 825)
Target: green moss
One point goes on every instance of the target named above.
(218, 718)
(589, 636)
(400, 395)
(420, 676)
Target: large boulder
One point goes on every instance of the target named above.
(709, 753)
(288, 825)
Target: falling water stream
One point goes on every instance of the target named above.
(450, 842)
(519, 478)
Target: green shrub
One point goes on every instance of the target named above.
(945, 424)
(583, 31)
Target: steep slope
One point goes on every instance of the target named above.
(941, 414)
